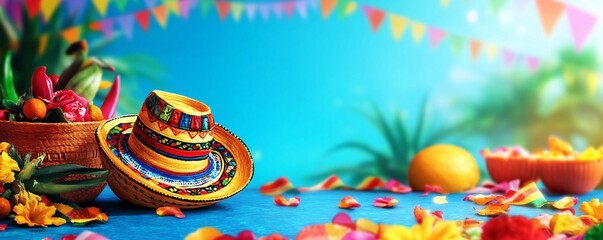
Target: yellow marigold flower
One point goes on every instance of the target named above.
(24, 196)
(7, 166)
(428, 230)
(593, 210)
(35, 213)
(4, 147)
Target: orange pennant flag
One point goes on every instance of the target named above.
(43, 42)
(223, 9)
(327, 7)
(101, 6)
(47, 7)
(475, 46)
(95, 26)
(161, 15)
(550, 11)
(375, 16)
(71, 34)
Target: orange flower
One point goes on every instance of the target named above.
(592, 210)
(34, 212)
(4, 147)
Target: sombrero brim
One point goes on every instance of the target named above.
(230, 166)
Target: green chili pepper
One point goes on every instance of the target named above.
(7, 85)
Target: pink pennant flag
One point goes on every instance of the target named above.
(107, 27)
(185, 6)
(289, 8)
(301, 9)
(581, 24)
(265, 11)
(14, 11)
(3, 4)
(435, 36)
(126, 23)
(278, 9)
(250, 10)
(532, 63)
(147, 3)
(508, 55)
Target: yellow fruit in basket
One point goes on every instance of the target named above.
(34, 108)
(448, 166)
(590, 154)
(558, 146)
(96, 114)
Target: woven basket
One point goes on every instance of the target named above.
(63, 143)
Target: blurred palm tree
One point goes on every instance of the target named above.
(25, 44)
(525, 108)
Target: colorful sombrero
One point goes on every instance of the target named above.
(173, 154)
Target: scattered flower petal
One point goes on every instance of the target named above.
(169, 211)
(522, 228)
(592, 210)
(432, 189)
(282, 201)
(331, 183)
(471, 223)
(430, 228)
(370, 183)
(205, 233)
(396, 187)
(343, 219)
(565, 203)
(366, 225)
(421, 214)
(567, 223)
(246, 235)
(490, 187)
(69, 237)
(348, 202)
(440, 200)
(3, 227)
(358, 235)
(276, 187)
(89, 235)
(493, 209)
(481, 199)
(336, 231)
(385, 202)
(274, 236)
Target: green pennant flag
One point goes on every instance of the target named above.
(496, 5)
(121, 4)
(456, 44)
(205, 6)
(341, 6)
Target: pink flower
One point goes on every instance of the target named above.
(74, 107)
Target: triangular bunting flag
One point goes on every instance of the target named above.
(435, 36)
(349, 8)
(532, 63)
(143, 18)
(444, 3)
(223, 9)
(250, 10)
(75, 7)
(107, 27)
(205, 6)
(418, 30)
(237, 10)
(95, 26)
(491, 51)
(121, 4)
(398, 25)
(3, 4)
(42, 43)
(101, 6)
(173, 6)
(71, 34)
(496, 5)
(581, 23)
(48, 7)
(375, 16)
(550, 11)
(161, 15)
(185, 7)
(265, 11)
(278, 9)
(475, 46)
(327, 7)
(508, 56)
(302, 9)
(456, 44)
(289, 8)
(150, 3)
(15, 14)
(126, 22)
(33, 7)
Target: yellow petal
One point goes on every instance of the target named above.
(397, 233)
(206, 233)
(58, 221)
(4, 147)
(104, 85)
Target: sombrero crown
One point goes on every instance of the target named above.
(173, 153)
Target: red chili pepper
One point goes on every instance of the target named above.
(41, 84)
(54, 78)
(110, 102)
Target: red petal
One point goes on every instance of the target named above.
(170, 211)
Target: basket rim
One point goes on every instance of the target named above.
(50, 124)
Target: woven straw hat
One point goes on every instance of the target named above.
(173, 154)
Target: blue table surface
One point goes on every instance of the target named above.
(251, 210)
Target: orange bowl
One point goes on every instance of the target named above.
(569, 176)
(503, 169)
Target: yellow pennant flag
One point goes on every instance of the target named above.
(47, 7)
(444, 3)
(592, 81)
(101, 6)
(398, 24)
(173, 7)
(43, 42)
(350, 8)
(491, 51)
(418, 30)
(237, 10)
(71, 34)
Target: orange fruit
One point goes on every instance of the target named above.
(448, 166)
(96, 114)
(34, 108)
(5, 208)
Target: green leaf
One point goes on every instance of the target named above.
(29, 167)
(8, 105)
(63, 187)
(15, 155)
(55, 115)
(52, 173)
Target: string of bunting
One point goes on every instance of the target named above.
(266, 10)
(581, 22)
